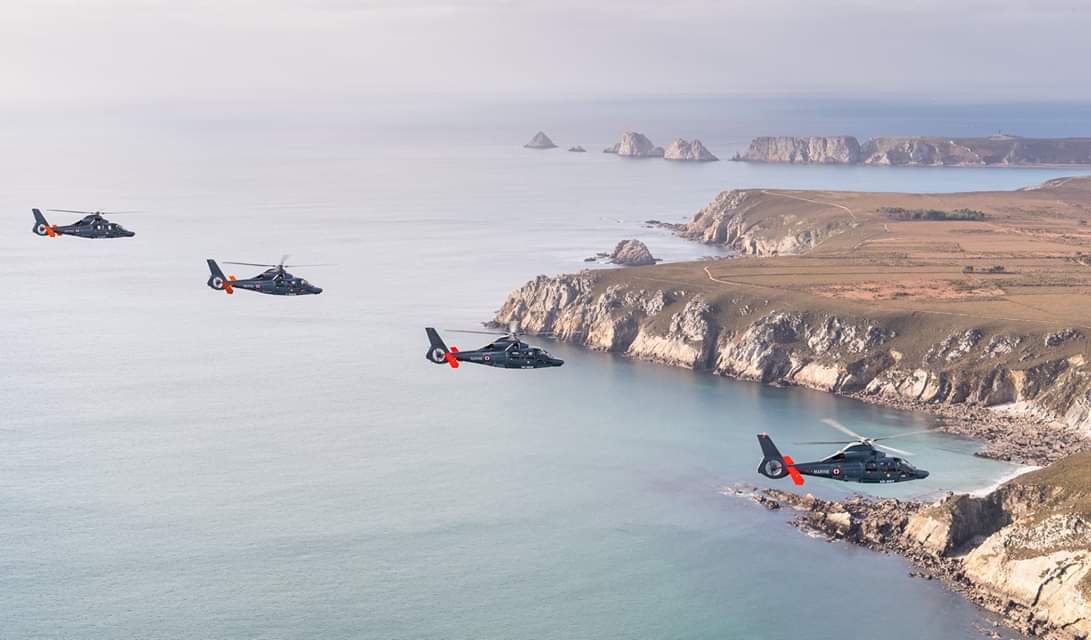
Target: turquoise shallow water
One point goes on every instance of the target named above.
(178, 463)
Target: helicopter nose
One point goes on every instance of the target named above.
(317, 290)
(921, 474)
(556, 362)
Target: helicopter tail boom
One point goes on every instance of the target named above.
(438, 352)
(218, 280)
(41, 226)
(773, 464)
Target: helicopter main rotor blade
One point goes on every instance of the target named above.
(828, 442)
(92, 212)
(293, 266)
(249, 264)
(903, 435)
(842, 428)
(893, 450)
(483, 333)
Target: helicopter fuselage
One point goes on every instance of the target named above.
(274, 281)
(91, 226)
(858, 462)
(507, 352)
(515, 357)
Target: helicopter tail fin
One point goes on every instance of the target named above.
(773, 464)
(438, 352)
(218, 280)
(41, 226)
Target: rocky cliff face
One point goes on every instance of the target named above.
(730, 220)
(922, 151)
(744, 337)
(540, 141)
(685, 150)
(812, 150)
(1023, 550)
(635, 145)
(918, 151)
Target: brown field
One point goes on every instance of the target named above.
(914, 270)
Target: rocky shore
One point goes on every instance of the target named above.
(1023, 551)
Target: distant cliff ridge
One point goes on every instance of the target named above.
(999, 150)
(814, 150)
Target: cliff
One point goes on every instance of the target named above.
(684, 150)
(1023, 550)
(635, 145)
(922, 151)
(981, 321)
(750, 222)
(812, 150)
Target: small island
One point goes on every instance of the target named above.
(635, 145)
(686, 151)
(540, 141)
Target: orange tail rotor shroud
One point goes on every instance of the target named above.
(451, 359)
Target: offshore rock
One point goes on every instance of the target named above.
(632, 253)
(681, 149)
(540, 141)
(635, 145)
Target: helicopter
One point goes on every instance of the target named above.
(273, 281)
(505, 352)
(861, 460)
(92, 225)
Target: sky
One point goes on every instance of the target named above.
(126, 51)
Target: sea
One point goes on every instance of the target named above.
(180, 463)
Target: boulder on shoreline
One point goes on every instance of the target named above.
(632, 253)
(635, 145)
(682, 149)
(540, 141)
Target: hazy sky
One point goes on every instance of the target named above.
(322, 50)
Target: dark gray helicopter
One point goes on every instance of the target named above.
(92, 225)
(273, 281)
(506, 352)
(860, 461)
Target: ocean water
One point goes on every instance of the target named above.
(175, 462)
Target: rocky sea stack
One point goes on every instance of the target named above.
(577, 149)
(632, 253)
(540, 141)
(681, 149)
(635, 145)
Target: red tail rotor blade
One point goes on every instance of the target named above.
(797, 478)
(451, 360)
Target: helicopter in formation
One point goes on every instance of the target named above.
(507, 351)
(273, 281)
(861, 460)
(92, 225)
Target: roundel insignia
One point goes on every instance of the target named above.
(836, 471)
(487, 357)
